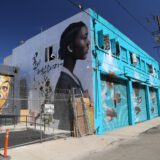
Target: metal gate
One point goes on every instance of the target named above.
(153, 102)
(114, 103)
(139, 102)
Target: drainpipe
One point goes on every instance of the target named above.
(130, 103)
(158, 100)
(97, 87)
(148, 103)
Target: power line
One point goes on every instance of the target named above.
(82, 9)
(132, 16)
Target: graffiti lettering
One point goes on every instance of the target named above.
(47, 68)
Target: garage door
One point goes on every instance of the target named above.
(153, 102)
(139, 102)
(114, 103)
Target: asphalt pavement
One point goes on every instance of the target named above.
(145, 147)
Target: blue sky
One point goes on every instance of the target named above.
(22, 19)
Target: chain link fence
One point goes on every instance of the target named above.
(38, 117)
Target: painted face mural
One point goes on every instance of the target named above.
(4, 89)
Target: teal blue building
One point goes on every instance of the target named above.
(126, 78)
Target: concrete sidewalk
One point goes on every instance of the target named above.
(77, 148)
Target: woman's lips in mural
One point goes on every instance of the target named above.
(111, 113)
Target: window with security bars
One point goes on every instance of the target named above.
(103, 40)
(49, 54)
(115, 47)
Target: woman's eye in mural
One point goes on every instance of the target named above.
(85, 37)
(4, 88)
(137, 110)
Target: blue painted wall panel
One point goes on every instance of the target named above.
(153, 102)
(139, 102)
(114, 104)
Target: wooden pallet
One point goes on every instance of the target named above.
(84, 117)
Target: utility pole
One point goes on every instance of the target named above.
(156, 33)
(158, 22)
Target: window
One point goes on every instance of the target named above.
(106, 42)
(115, 47)
(23, 93)
(155, 73)
(49, 55)
(103, 41)
(123, 54)
(150, 68)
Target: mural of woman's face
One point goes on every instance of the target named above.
(81, 44)
(4, 89)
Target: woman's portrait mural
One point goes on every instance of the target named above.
(74, 45)
(69, 69)
(4, 90)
